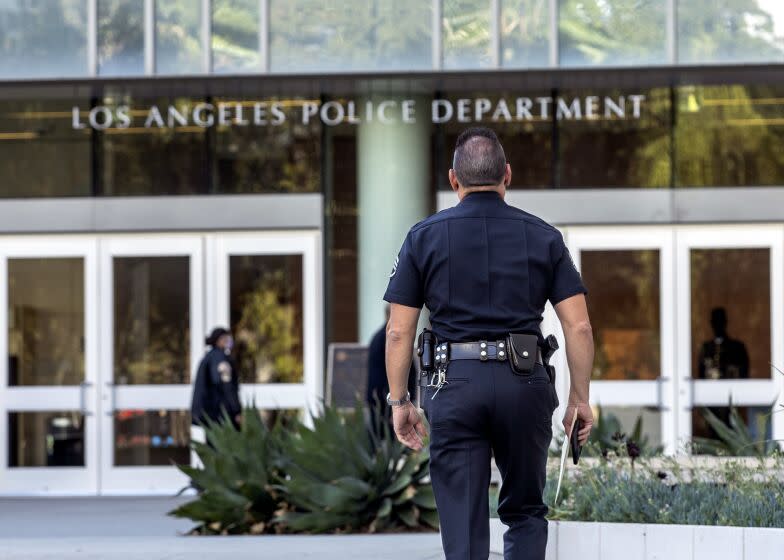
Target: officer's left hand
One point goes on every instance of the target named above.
(408, 426)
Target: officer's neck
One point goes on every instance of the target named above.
(499, 190)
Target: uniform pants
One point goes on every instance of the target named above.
(483, 407)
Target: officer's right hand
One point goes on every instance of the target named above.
(584, 415)
(408, 426)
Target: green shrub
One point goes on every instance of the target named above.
(235, 482)
(343, 474)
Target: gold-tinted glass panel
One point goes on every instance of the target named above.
(731, 135)
(46, 439)
(266, 317)
(623, 301)
(45, 321)
(151, 437)
(151, 320)
(730, 313)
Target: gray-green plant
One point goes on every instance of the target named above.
(342, 472)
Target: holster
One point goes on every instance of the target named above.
(426, 348)
(523, 349)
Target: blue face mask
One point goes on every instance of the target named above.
(229, 344)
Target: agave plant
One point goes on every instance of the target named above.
(346, 474)
(235, 480)
(734, 437)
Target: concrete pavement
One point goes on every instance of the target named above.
(138, 529)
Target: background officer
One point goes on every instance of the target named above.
(485, 269)
(217, 383)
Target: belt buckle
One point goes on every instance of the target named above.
(482, 350)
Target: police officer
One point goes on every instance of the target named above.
(485, 269)
(216, 388)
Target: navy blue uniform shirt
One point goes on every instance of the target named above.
(483, 269)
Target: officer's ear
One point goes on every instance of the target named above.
(453, 180)
(508, 175)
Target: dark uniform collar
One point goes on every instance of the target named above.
(481, 196)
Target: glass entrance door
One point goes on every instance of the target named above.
(266, 287)
(48, 343)
(629, 278)
(152, 326)
(731, 328)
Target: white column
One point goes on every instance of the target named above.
(393, 174)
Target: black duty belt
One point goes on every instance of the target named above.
(482, 350)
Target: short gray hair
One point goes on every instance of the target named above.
(479, 158)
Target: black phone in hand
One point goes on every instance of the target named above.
(575, 442)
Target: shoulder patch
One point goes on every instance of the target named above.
(394, 267)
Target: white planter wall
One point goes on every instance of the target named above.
(631, 541)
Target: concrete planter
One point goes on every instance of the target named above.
(632, 541)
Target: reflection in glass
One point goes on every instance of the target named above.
(46, 439)
(313, 35)
(155, 160)
(624, 308)
(614, 32)
(151, 437)
(757, 420)
(266, 317)
(731, 135)
(466, 34)
(235, 36)
(178, 36)
(614, 421)
(733, 343)
(730, 32)
(525, 33)
(43, 38)
(45, 321)
(268, 158)
(151, 320)
(120, 37)
(626, 143)
(31, 134)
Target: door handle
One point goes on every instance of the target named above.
(110, 408)
(83, 386)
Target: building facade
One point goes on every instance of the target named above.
(171, 165)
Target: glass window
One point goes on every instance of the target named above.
(612, 32)
(730, 323)
(727, 31)
(266, 317)
(46, 439)
(178, 37)
(730, 135)
(152, 438)
(151, 320)
(757, 421)
(274, 157)
(616, 425)
(235, 36)
(154, 154)
(329, 35)
(625, 314)
(615, 138)
(41, 154)
(43, 38)
(120, 37)
(45, 321)
(525, 33)
(466, 34)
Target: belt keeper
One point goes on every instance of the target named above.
(482, 350)
(500, 350)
